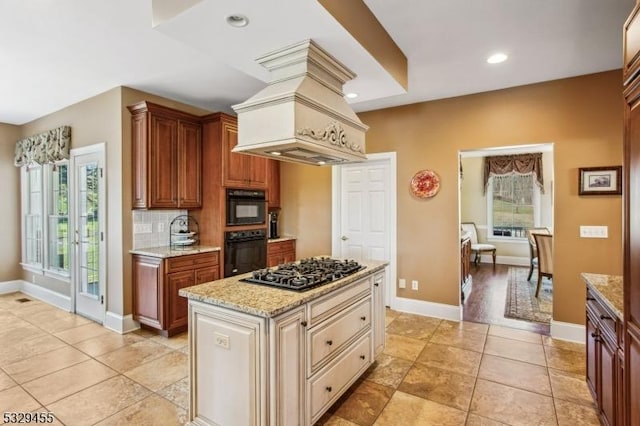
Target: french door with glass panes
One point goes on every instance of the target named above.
(89, 270)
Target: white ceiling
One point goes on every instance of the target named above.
(54, 53)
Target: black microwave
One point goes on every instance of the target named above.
(246, 207)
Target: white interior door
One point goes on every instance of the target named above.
(364, 224)
(89, 231)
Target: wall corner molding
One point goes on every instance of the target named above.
(568, 331)
(119, 323)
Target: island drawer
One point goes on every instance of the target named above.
(330, 382)
(191, 261)
(330, 337)
(608, 320)
(326, 306)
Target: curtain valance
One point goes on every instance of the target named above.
(521, 164)
(45, 147)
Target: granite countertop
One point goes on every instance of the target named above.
(167, 251)
(262, 300)
(279, 239)
(610, 290)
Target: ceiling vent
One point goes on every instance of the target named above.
(302, 116)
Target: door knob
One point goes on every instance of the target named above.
(344, 238)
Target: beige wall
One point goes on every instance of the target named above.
(582, 116)
(10, 223)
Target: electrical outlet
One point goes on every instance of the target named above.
(160, 226)
(221, 340)
(142, 228)
(402, 283)
(594, 232)
(414, 285)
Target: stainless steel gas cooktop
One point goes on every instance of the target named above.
(305, 274)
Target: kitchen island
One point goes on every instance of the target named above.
(261, 355)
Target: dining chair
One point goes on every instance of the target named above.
(533, 253)
(476, 247)
(544, 245)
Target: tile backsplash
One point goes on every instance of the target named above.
(151, 227)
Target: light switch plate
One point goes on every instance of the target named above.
(402, 283)
(594, 231)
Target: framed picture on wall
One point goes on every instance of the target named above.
(600, 180)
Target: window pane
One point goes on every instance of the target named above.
(33, 217)
(512, 205)
(59, 219)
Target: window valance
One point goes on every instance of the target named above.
(45, 147)
(522, 164)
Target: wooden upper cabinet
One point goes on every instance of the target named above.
(273, 184)
(190, 165)
(166, 158)
(631, 45)
(240, 170)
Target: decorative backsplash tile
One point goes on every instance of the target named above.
(151, 227)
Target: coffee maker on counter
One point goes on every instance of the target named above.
(273, 225)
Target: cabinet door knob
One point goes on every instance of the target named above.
(329, 342)
(362, 357)
(591, 298)
(363, 318)
(605, 317)
(329, 388)
(303, 323)
(376, 284)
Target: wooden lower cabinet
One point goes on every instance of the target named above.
(285, 370)
(156, 282)
(280, 252)
(604, 356)
(465, 268)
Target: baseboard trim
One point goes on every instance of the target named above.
(568, 331)
(504, 260)
(51, 297)
(7, 287)
(429, 309)
(121, 324)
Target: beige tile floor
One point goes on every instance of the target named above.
(432, 372)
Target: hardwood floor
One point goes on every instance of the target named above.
(486, 302)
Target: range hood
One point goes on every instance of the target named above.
(302, 116)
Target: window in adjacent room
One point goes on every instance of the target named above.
(513, 205)
(45, 207)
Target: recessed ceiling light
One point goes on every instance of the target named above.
(321, 163)
(276, 153)
(496, 58)
(237, 21)
(351, 95)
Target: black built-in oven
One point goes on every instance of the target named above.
(244, 251)
(246, 207)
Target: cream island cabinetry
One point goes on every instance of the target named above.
(267, 356)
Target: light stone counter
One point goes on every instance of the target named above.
(610, 290)
(280, 239)
(166, 251)
(262, 300)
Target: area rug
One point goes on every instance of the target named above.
(521, 301)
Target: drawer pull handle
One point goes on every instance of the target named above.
(329, 342)
(303, 323)
(376, 284)
(605, 317)
(363, 318)
(329, 388)
(591, 298)
(362, 357)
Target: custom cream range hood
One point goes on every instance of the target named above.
(302, 116)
